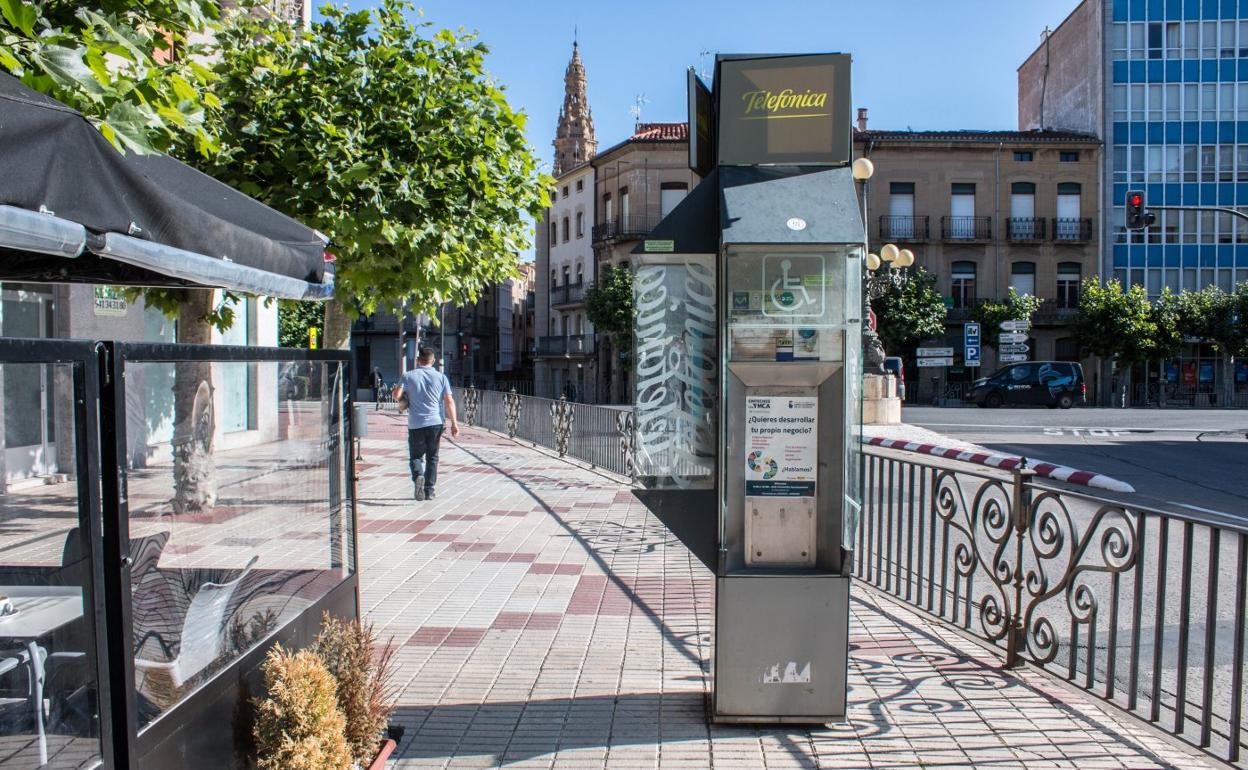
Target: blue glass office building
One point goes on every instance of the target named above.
(1176, 122)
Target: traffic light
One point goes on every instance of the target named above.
(1137, 217)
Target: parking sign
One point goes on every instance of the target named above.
(970, 342)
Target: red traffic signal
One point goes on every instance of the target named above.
(1137, 217)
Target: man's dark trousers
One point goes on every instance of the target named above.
(422, 453)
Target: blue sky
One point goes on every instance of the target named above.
(923, 64)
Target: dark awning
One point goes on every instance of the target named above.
(692, 226)
(762, 203)
(73, 209)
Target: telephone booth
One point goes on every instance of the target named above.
(748, 427)
(791, 408)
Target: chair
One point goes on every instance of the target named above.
(203, 633)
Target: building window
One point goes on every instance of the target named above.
(1069, 207)
(623, 203)
(1023, 222)
(1068, 156)
(963, 285)
(565, 191)
(900, 222)
(579, 274)
(554, 279)
(1069, 275)
(580, 185)
(580, 224)
(1065, 349)
(1023, 278)
(962, 210)
(566, 230)
(608, 208)
(1023, 156)
(670, 194)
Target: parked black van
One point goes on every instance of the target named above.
(1033, 383)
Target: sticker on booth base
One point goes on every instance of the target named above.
(786, 673)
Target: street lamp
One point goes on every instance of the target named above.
(875, 283)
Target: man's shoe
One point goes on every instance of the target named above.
(420, 488)
(429, 495)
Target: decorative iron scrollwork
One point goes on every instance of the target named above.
(561, 415)
(1032, 551)
(511, 409)
(626, 426)
(472, 403)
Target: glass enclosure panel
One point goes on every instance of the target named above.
(677, 370)
(853, 399)
(232, 534)
(49, 696)
(786, 306)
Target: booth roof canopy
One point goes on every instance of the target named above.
(693, 225)
(53, 159)
(789, 205)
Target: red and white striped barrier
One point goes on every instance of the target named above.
(1006, 462)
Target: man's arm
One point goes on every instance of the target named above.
(450, 413)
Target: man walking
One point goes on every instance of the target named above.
(428, 392)
(378, 384)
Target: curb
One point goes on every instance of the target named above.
(1005, 462)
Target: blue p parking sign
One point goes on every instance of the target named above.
(970, 342)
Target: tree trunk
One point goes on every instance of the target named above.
(194, 420)
(337, 326)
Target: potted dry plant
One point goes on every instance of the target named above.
(299, 725)
(366, 696)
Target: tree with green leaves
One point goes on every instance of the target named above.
(112, 61)
(1123, 326)
(395, 143)
(609, 306)
(295, 319)
(907, 315)
(1015, 307)
(1220, 318)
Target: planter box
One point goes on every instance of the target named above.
(379, 762)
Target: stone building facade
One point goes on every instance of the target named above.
(984, 212)
(636, 183)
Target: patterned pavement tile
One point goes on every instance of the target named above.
(546, 619)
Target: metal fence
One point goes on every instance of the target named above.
(1170, 395)
(599, 435)
(1143, 608)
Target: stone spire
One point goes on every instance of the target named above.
(574, 141)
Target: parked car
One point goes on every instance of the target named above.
(897, 368)
(1033, 383)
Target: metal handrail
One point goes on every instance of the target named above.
(593, 434)
(1126, 602)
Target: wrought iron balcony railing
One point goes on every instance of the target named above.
(966, 228)
(625, 227)
(907, 229)
(568, 294)
(1024, 229)
(1072, 230)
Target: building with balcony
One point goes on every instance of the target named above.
(1165, 86)
(986, 211)
(565, 255)
(636, 183)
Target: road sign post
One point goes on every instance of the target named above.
(971, 344)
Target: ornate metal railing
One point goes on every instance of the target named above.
(602, 436)
(1143, 608)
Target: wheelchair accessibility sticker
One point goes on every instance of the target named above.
(794, 285)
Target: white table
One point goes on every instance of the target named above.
(40, 611)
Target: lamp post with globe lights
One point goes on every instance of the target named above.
(888, 269)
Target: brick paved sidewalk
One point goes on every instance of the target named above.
(545, 619)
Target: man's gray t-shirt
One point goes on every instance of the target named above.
(425, 388)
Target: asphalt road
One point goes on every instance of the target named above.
(1179, 460)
